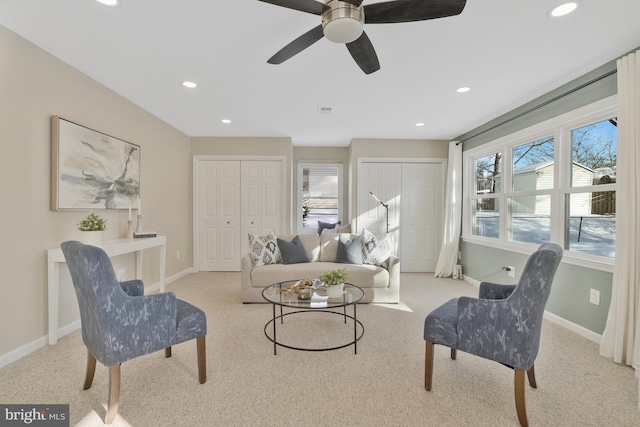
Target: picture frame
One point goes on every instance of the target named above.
(91, 170)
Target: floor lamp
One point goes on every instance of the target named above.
(383, 204)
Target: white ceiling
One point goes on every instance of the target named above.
(508, 51)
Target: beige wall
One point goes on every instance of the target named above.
(34, 86)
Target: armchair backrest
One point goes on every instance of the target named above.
(530, 296)
(97, 290)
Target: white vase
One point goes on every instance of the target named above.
(335, 291)
(93, 238)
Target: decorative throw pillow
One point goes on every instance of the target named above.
(292, 252)
(323, 225)
(350, 250)
(376, 251)
(264, 249)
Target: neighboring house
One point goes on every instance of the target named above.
(539, 176)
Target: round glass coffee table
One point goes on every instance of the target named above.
(281, 295)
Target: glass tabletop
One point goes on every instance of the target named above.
(283, 294)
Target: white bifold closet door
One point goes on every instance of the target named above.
(219, 216)
(421, 216)
(235, 198)
(414, 192)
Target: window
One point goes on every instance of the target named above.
(591, 212)
(319, 194)
(555, 181)
(485, 202)
(530, 197)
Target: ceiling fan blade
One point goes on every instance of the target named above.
(411, 10)
(297, 46)
(309, 6)
(364, 54)
(356, 3)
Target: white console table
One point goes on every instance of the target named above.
(116, 247)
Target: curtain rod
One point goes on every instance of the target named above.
(543, 104)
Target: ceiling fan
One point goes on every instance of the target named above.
(342, 22)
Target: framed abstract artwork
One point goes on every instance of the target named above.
(91, 170)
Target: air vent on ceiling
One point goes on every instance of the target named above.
(324, 110)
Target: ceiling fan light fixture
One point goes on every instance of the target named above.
(342, 22)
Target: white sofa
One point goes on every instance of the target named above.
(380, 284)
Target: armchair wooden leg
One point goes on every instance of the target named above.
(428, 365)
(519, 392)
(114, 393)
(202, 359)
(532, 377)
(454, 353)
(91, 370)
(167, 352)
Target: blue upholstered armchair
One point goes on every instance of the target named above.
(120, 323)
(503, 324)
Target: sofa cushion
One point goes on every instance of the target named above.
(349, 249)
(310, 241)
(264, 249)
(293, 252)
(376, 251)
(327, 225)
(365, 276)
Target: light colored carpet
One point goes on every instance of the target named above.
(380, 386)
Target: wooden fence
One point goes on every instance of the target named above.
(603, 203)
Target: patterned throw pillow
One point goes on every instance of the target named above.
(264, 249)
(376, 251)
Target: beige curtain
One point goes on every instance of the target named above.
(453, 212)
(621, 337)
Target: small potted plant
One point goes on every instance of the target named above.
(334, 281)
(92, 227)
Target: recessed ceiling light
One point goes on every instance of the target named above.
(110, 3)
(189, 84)
(564, 9)
(419, 124)
(463, 89)
(225, 121)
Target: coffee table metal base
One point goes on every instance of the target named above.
(273, 321)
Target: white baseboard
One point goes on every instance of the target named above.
(156, 286)
(554, 318)
(580, 330)
(20, 352)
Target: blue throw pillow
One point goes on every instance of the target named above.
(292, 252)
(330, 226)
(349, 250)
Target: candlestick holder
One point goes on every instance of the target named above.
(129, 230)
(139, 225)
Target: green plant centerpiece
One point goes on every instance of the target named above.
(334, 281)
(333, 277)
(92, 222)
